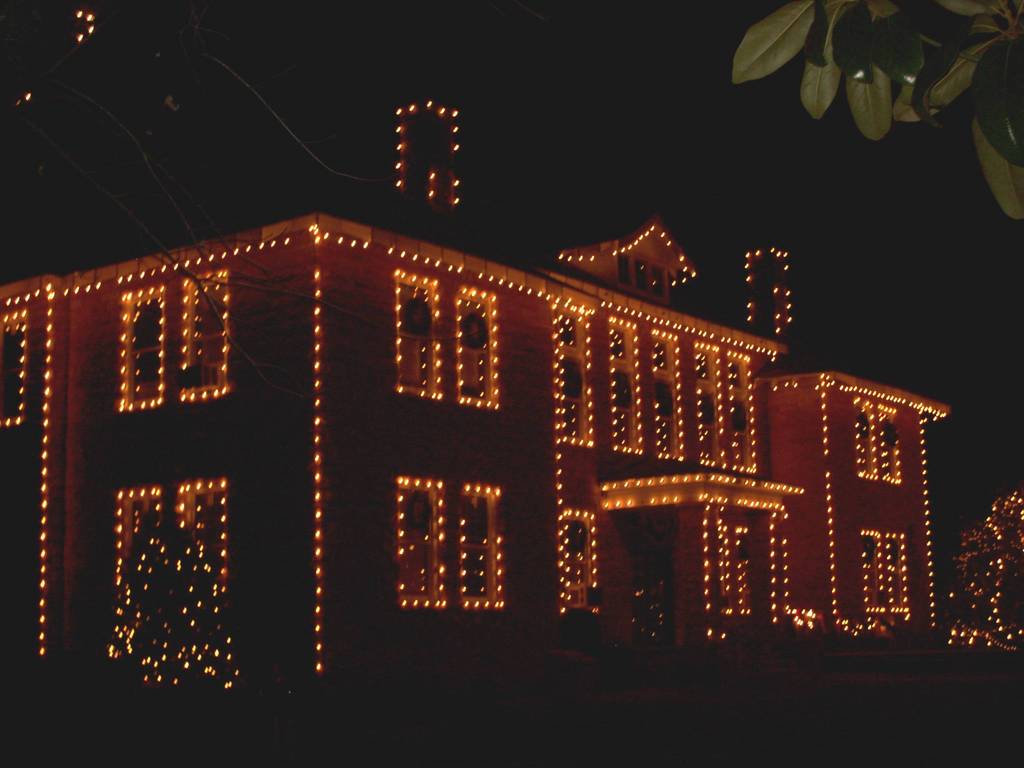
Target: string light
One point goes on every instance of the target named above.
(577, 558)
(204, 351)
(421, 569)
(574, 408)
(668, 399)
(626, 403)
(14, 326)
(85, 24)
(476, 347)
(318, 462)
(481, 563)
(435, 176)
(44, 473)
(419, 366)
(744, 442)
(782, 296)
(138, 393)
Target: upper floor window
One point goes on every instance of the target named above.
(876, 442)
(884, 567)
(481, 568)
(668, 412)
(733, 568)
(577, 558)
(476, 325)
(142, 349)
(417, 344)
(741, 412)
(705, 363)
(421, 571)
(13, 349)
(625, 386)
(573, 411)
(625, 272)
(205, 337)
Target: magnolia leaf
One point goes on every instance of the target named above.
(883, 8)
(958, 78)
(998, 87)
(871, 104)
(936, 66)
(1005, 180)
(903, 107)
(814, 46)
(772, 41)
(984, 25)
(851, 43)
(965, 7)
(818, 87)
(896, 49)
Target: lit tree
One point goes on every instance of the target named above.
(989, 601)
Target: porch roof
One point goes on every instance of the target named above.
(700, 487)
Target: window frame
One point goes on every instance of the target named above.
(710, 387)
(744, 454)
(577, 576)
(14, 322)
(633, 440)
(892, 597)
(868, 449)
(579, 353)
(494, 599)
(733, 573)
(433, 388)
(670, 374)
(191, 298)
(488, 304)
(434, 597)
(131, 301)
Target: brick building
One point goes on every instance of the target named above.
(394, 453)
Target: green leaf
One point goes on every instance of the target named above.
(998, 87)
(818, 87)
(814, 46)
(1006, 181)
(965, 7)
(936, 66)
(984, 25)
(871, 104)
(882, 8)
(851, 43)
(772, 41)
(896, 49)
(903, 107)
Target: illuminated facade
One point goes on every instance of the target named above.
(428, 458)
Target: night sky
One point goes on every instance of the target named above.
(578, 121)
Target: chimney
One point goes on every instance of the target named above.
(770, 300)
(427, 143)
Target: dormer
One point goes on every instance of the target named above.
(647, 263)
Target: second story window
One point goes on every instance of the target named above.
(668, 412)
(204, 349)
(888, 447)
(142, 349)
(481, 568)
(625, 272)
(14, 352)
(417, 344)
(884, 568)
(705, 363)
(577, 558)
(476, 350)
(876, 441)
(741, 412)
(625, 386)
(573, 411)
(421, 571)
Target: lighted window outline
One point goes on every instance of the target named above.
(578, 352)
(744, 454)
(434, 596)
(487, 305)
(885, 577)
(491, 547)
(215, 287)
(868, 446)
(132, 503)
(733, 573)
(709, 387)
(15, 322)
(887, 415)
(131, 303)
(668, 430)
(577, 573)
(627, 437)
(433, 342)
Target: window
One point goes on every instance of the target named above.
(625, 273)
(705, 361)
(876, 442)
(573, 416)
(13, 349)
(641, 275)
(625, 386)
(476, 348)
(668, 412)
(481, 569)
(421, 537)
(657, 281)
(204, 350)
(142, 349)
(733, 569)
(884, 561)
(417, 346)
(138, 519)
(577, 558)
(741, 412)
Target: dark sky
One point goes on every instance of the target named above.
(578, 120)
